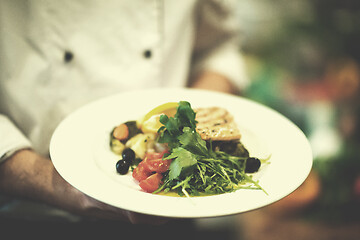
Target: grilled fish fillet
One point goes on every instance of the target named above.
(217, 124)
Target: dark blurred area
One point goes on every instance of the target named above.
(304, 61)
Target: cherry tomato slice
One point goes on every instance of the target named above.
(151, 183)
(140, 173)
(157, 165)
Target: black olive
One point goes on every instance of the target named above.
(252, 165)
(128, 155)
(122, 167)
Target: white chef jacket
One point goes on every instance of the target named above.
(58, 55)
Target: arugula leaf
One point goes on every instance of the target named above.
(173, 126)
(186, 115)
(191, 140)
(184, 162)
(169, 132)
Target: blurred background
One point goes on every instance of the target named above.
(303, 59)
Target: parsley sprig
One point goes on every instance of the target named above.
(196, 169)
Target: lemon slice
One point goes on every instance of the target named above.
(150, 122)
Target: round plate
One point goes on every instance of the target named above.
(80, 151)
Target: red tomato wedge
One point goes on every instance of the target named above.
(153, 162)
(156, 165)
(140, 173)
(151, 183)
(149, 171)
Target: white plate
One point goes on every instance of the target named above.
(80, 152)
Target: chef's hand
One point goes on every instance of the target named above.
(27, 174)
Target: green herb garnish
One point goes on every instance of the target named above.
(196, 169)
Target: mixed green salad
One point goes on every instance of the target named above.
(175, 159)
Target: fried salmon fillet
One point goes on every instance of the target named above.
(217, 124)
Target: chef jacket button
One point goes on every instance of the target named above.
(147, 53)
(68, 56)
